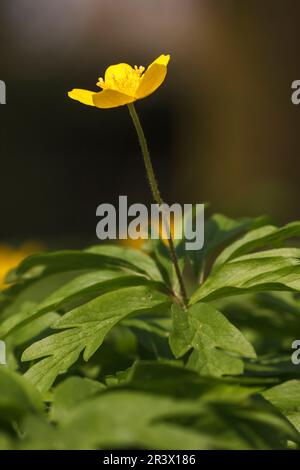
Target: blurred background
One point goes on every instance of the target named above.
(221, 129)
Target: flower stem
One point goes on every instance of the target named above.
(156, 195)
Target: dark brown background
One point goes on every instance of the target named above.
(221, 129)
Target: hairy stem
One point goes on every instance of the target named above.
(156, 195)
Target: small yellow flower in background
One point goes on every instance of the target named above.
(137, 244)
(123, 84)
(10, 257)
(175, 224)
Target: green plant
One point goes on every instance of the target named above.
(112, 347)
(101, 356)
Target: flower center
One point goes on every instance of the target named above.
(122, 78)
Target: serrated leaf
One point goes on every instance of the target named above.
(217, 346)
(85, 329)
(83, 287)
(20, 307)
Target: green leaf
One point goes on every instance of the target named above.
(93, 283)
(173, 379)
(251, 275)
(286, 397)
(136, 377)
(152, 333)
(137, 258)
(118, 419)
(85, 329)
(121, 419)
(218, 230)
(269, 320)
(258, 238)
(61, 261)
(275, 253)
(23, 303)
(130, 419)
(252, 424)
(217, 345)
(39, 434)
(71, 393)
(80, 289)
(134, 419)
(26, 295)
(17, 396)
(32, 330)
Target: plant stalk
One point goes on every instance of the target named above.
(157, 196)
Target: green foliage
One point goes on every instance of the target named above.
(286, 397)
(85, 328)
(217, 345)
(101, 353)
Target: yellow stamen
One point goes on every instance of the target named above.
(139, 69)
(101, 83)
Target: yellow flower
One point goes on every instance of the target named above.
(124, 84)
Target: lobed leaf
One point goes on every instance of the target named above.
(79, 289)
(85, 329)
(217, 346)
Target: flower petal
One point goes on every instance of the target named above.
(84, 96)
(123, 78)
(111, 99)
(153, 77)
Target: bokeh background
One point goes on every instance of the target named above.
(221, 129)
